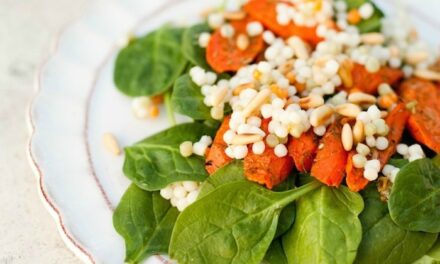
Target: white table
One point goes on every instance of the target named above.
(28, 234)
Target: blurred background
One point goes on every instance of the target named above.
(28, 234)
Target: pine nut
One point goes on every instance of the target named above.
(237, 90)
(218, 96)
(286, 67)
(242, 42)
(321, 115)
(234, 15)
(245, 139)
(427, 74)
(358, 131)
(347, 137)
(416, 57)
(344, 73)
(280, 92)
(311, 101)
(111, 144)
(373, 38)
(154, 111)
(348, 110)
(361, 98)
(258, 100)
(299, 46)
(394, 51)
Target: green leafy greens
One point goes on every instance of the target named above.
(155, 162)
(150, 65)
(327, 228)
(415, 197)
(190, 45)
(239, 218)
(275, 254)
(145, 220)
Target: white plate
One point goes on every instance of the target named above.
(79, 181)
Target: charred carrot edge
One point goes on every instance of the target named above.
(223, 55)
(303, 150)
(424, 123)
(354, 177)
(216, 156)
(396, 121)
(331, 159)
(265, 12)
(267, 168)
(369, 82)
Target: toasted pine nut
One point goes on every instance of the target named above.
(416, 57)
(321, 115)
(111, 144)
(286, 67)
(258, 100)
(394, 51)
(427, 74)
(361, 98)
(245, 139)
(388, 100)
(242, 42)
(311, 101)
(383, 114)
(344, 73)
(280, 92)
(358, 131)
(237, 90)
(354, 17)
(348, 110)
(347, 137)
(219, 95)
(154, 111)
(158, 99)
(299, 46)
(234, 15)
(291, 77)
(257, 75)
(373, 38)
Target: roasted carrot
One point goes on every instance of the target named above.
(267, 168)
(216, 156)
(265, 12)
(223, 54)
(303, 150)
(396, 121)
(369, 82)
(424, 122)
(331, 158)
(354, 176)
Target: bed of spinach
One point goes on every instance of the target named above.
(190, 45)
(383, 242)
(187, 99)
(326, 229)
(415, 197)
(149, 65)
(155, 162)
(145, 220)
(432, 257)
(275, 254)
(374, 23)
(239, 218)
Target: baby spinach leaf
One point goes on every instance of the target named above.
(156, 162)
(234, 223)
(275, 254)
(398, 163)
(383, 242)
(150, 65)
(190, 45)
(145, 220)
(432, 257)
(415, 197)
(187, 99)
(374, 23)
(326, 228)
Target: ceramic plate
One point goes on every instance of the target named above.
(79, 181)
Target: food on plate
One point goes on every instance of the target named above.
(314, 137)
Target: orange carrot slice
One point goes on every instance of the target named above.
(331, 159)
(369, 82)
(223, 55)
(424, 123)
(216, 156)
(267, 168)
(303, 150)
(265, 12)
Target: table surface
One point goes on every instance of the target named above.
(28, 233)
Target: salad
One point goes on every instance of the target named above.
(316, 125)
